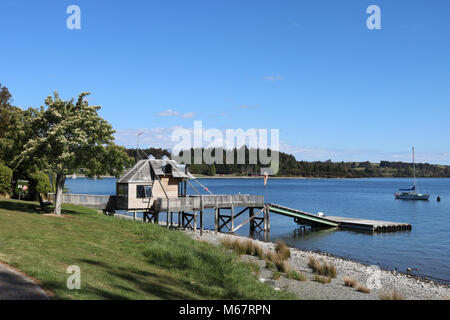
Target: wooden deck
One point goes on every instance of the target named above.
(370, 225)
(314, 220)
(198, 203)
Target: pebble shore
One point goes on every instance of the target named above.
(381, 281)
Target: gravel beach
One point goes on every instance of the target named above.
(381, 281)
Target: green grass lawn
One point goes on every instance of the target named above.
(120, 259)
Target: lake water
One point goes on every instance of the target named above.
(426, 247)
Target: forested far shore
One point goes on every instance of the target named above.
(289, 166)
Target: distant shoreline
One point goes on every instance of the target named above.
(200, 176)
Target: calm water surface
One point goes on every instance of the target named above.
(426, 247)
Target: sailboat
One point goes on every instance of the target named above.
(411, 193)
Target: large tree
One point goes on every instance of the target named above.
(66, 136)
(10, 116)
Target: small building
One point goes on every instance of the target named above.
(149, 180)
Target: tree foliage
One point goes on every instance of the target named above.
(66, 136)
(5, 179)
(10, 117)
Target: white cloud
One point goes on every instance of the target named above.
(273, 78)
(245, 106)
(168, 113)
(173, 113)
(189, 115)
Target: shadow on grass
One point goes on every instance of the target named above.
(146, 282)
(32, 207)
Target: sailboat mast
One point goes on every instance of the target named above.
(414, 169)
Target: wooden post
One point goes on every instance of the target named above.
(216, 220)
(167, 220)
(265, 219)
(182, 220)
(179, 223)
(251, 213)
(232, 217)
(171, 219)
(268, 220)
(134, 215)
(201, 223)
(195, 220)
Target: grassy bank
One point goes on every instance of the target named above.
(120, 259)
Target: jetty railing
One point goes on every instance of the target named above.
(200, 202)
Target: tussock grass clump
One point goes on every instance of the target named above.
(248, 247)
(362, 289)
(282, 266)
(350, 282)
(296, 275)
(270, 265)
(321, 279)
(254, 267)
(393, 295)
(282, 250)
(322, 268)
(276, 275)
(271, 256)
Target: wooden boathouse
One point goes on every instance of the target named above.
(155, 187)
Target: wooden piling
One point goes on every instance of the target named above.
(216, 220)
(201, 223)
(195, 220)
(232, 217)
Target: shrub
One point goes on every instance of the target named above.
(41, 182)
(5, 179)
(282, 250)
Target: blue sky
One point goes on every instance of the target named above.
(312, 69)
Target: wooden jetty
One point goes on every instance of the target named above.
(305, 218)
(370, 225)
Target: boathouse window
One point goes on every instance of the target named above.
(122, 190)
(143, 192)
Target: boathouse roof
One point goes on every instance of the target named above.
(142, 170)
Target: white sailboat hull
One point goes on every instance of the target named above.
(411, 196)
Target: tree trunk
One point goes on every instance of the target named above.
(60, 180)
